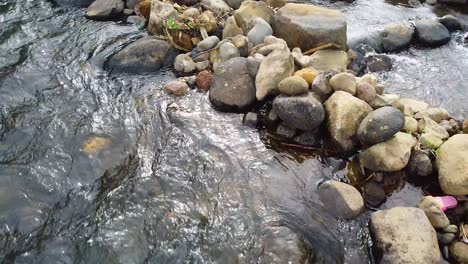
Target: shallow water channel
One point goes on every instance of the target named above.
(102, 169)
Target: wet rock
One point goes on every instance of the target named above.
(183, 63)
(260, 30)
(436, 114)
(451, 126)
(145, 55)
(308, 26)
(274, 68)
(138, 21)
(208, 43)
(429, 126)
(282, 245)
(365, 92)
(420, 164)
(105, 9)
(396, 37)
(233, 89)
(159, 14)
(459, 251)
(344, 113)
(76, 3)
(285, 131)
(177, 88)
(452, 165)
(413, 106)
(218, 6)
(378, 63)
(307, 74)
(374, 194)
(250, 10)
(301, 112)
(226, 51)
(308, 138)
(380, 125)
(431, 33)
(344, 82)
(343, 200)
(293, 85)
(250, 120)
(433, 211)
(430, 141)
(390, 155)
(204, 80)
(400, 235)
(451, 23)
(321, 84)
(231, 29)
(329, 60)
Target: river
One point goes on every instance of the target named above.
(109, 169)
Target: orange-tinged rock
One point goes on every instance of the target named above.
(95, 144)
(307, 74)
(143, 9)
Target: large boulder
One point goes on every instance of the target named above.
(431, 32)
(329, 60)
(309, 26)
(452, 165)
(343, 200)
(396, 37)
(278, 65)
(146, 55)
(302, 112)
(104, 9)
(390, 155)
(344, 113)
(380, 125)
(232, 89)
(250, 10)
(160, 12)
(404, 235)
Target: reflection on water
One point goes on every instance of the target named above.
(99, 169)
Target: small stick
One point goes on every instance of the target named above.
(325, 46)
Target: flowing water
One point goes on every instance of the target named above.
(101, 169)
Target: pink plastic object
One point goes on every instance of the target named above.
(447, 202)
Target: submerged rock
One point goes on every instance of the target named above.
(378, 62)
(396, 37)
(302, 112)
(388, 156)
(285, 131)
(343, 200)
(146, 55)
(308, 26)
(380, 125)
(452, 165)
(104, 9)
(274, 68)
(404, 235)
(344, 113)
(431, 33)
(233, 89)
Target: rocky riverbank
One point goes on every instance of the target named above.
(318, 87)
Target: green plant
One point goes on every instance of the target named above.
(172, 24)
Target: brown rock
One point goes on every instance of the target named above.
(176, 88)
(143, 9)
(465, 126)
(204, 80)
(365, 91)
